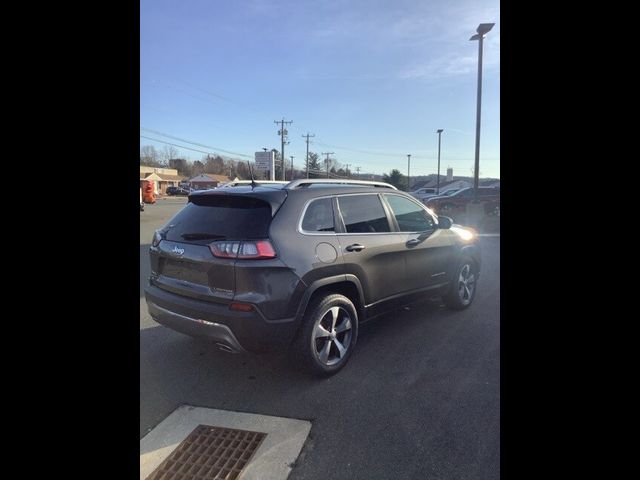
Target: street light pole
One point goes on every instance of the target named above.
(482, 29)
(439, 132)
(408, 172)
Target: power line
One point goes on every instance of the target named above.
(389, 154)
(180, 146)
(193, 143)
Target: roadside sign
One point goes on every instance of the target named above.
(265, 162)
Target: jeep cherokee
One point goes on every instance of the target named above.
(302, 265)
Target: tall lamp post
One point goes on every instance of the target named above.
(408, 172)
(439, 132)
(482, 30)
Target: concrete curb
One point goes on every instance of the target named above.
(272, 461)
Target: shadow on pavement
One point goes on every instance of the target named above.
(177, 369)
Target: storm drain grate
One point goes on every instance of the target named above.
(209, 453)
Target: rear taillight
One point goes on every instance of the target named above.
(157, 238)
(258, 249)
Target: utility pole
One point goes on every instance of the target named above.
(307, 137)
(347, 169)
(408, 172)
(327, 160)
(358, 171)
(482, 29)
(283, 133)
(292, 157)
(439, 132)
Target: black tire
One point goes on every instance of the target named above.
(308, 352)
(461, 294)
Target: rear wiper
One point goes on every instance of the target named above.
(202, 236)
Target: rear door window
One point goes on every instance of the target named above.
(363, 214)
(319, 216)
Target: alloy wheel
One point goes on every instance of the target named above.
(466, 284)
(332, 336)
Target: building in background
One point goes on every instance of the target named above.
(208, 180)
(449, 174)
(161, 178)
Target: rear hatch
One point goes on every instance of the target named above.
(188, 253)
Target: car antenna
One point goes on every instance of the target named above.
(253, 182)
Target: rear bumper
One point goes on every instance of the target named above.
(195, 327)
(238, 331)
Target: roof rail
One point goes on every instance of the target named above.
(305, 182)
(249, 182)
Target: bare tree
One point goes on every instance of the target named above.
(149, 156)
(198, 168)
(168, 153)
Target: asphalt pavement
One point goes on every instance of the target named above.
(419, 398)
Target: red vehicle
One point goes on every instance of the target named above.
(457, 202)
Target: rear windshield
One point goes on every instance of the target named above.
(220, 217)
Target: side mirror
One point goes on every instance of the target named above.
(444, 222)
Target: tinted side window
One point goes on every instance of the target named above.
(319, 216)
(363, 214)
(466, 193)
(410, 217)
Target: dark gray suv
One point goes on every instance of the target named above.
(302, 265)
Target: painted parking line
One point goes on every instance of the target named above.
(273, 460)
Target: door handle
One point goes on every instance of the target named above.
(413, 242)
(356, 247)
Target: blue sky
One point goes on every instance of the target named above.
(373, 80)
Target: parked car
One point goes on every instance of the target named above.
(457, 202)
(300, 266)
(178, 191)
(423, 193)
